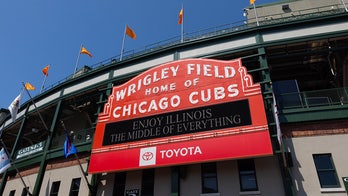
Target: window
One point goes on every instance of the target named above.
(147, 182)
(25, 191)
(12, 193)
(120, 184)
(55, 188)
(247, 175)
(326, 171)
(209, 178)
(75, 187)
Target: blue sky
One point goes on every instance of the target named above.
(36, 33)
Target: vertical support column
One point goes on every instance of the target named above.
(267, 89)
(176, 56)
(19, 136)
(43, 163)
(95, 177)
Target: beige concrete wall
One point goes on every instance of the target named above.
(304, 173)
(64, 175)
(267, 171)
(163, 181)
(16, 184)
(274, 11)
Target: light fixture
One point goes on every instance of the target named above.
(35, 130)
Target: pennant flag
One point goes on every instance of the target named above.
(130, 32)
(29, 87)
(252, 2)
(276, 119)
(85, 51)
(14, 107)
(181, 16)
(4, 161)
(69, 147)
(45, 70)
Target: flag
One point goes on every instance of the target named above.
(29, 87)
(181, 15)
(276, 119)
(69, 147)
(85, 51)
(45, 70)
(13, 108)
(252, 2)
(4, 161)
(130, 32)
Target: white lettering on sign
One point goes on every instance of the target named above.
(146, 81)
(214, 94)
(210, 70)
(147, 106)
(177, 86)
(181, 152)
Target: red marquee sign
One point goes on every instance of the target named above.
(182, 112)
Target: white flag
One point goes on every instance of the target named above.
(4, 161)
(275, 110)
(15, 106)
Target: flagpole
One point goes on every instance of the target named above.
(124, 37)
(43, 122)
(78, 160)
(78, 58)
(257, 20)
(182, 24)
(43, 83)
(14, 165)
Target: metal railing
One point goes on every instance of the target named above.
(78, 137)
(216, 31)
(310, 99)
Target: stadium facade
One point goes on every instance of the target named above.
(198, 117)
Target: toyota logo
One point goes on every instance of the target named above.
(147, 156)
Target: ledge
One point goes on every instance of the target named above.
(250, 193)
(332, 190)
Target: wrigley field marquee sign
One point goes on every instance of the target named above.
(182, 112)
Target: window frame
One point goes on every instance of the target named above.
(12, 193)
(55, 185)
(332, 171)
(208, 176)
(73, 191)
(246, 167)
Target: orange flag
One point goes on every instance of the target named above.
(130, 32)
(29, 87)
(45, 70)
(252, 2)
(181, 15)
(85, 51)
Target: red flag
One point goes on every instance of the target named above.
(45, 70)
(85, 51)
(181, 15)
(130, 32)
(252, 2)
